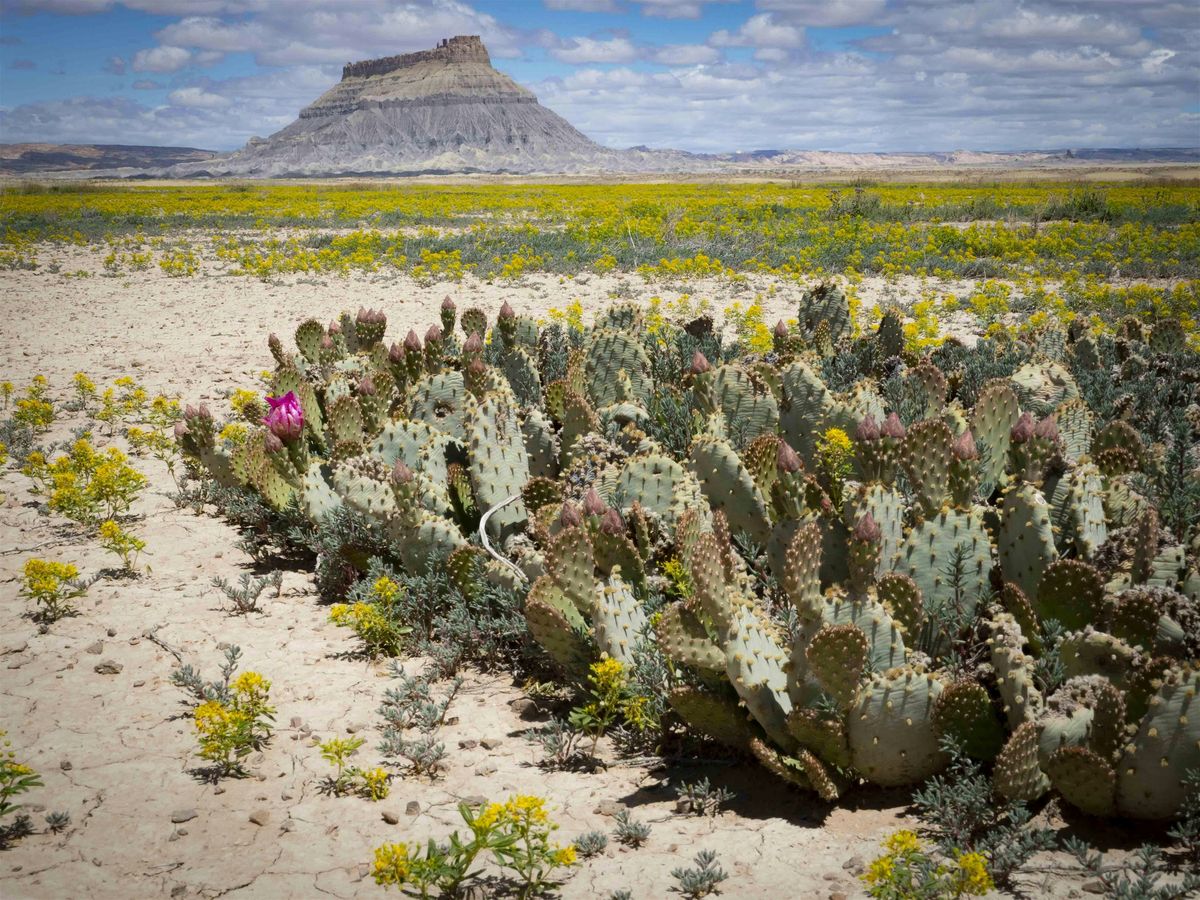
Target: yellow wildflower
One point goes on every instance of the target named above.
(392, 864)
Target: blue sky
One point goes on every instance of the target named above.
(701, 75)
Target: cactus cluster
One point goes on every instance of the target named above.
(836, 632)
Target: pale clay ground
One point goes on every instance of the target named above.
(115, 750)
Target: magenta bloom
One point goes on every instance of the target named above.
(286, 418)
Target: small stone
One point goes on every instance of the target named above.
(526, 708)
(286, 795)
(1095, 886)
(838, 895)
(296, 721)
(413, 808)
(488, 768)
(855, 865)
(182, 832)
(683, 806)
(174, 836)
(179, 890)
(108, 667)
(260, 817)
(288, 825)
(608, 808)
(65, 765)
(390, 816)
(355, 727)
(475, 800)
(467, 745)
(141, 682)
(112, 632)
(490, 743)
(183, 815)
(95, 649)
(218, 790)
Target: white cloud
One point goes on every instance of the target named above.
(685, 55)
(198, 98)
(590, 50)
(115, 65)
(161, 59)
(582, 5)
(825, 13)
(762, 30)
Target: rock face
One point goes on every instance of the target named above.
(444, 109)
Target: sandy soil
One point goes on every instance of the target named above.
(116, 750)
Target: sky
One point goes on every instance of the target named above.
(698, 75)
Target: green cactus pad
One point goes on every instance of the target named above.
(1071, 592)
(729, 488)
(1042, 387)
(1017, 775)
(949, 557)
(618, 620)
(837, 657)
(1165, 747)
(1026, 538)
(715, 715)
(822, 733)
(684, 639)
(964, 712)
(891, 733)
(995, 413)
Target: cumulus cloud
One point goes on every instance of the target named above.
(590, 50)
(684, 55)
(161, 59)
(198, 98)
(764, 31)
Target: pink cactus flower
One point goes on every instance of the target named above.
(286, 418)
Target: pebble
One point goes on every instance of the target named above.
(289, 825)
(413, 808)
(112, 632)
(488, 768)
(260, 817)
(286, 795)
(526, 708)
(65, 765)
(467, 745)
(838, 895)
(490, 743)
(296, 721)
(183, 815)
(96, 648)
(855, 865)
(475, 800)
(108, 667)
(1095, 886)
(355, 727)
(390, 816)
(608, 808)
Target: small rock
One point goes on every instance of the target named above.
(526, 708)
(356, 727)
(95, 649)
(218, 790)
(179, 890)
(289, 825)
(65, 765)
(467, 745)
(453, 720)
(390, 816)
(488, 768)
(182, 832)
(296, 721)
(490, 743)
(174, 836)
(413, 808)
(838, 895)
(112, 632)
(1095, 886)
(608, 808)
(855, 865)
(286, 795)
(183, 815)
(141, 682)
(683, 806)
(260, 817)
(108, 667)
(475, 800)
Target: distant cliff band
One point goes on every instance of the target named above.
(464, 48)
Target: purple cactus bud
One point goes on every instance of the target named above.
(892, 427)
(473, 344)
(190, 412)
(274, 343)
(1047, 429)
(1023, 430)
(396, 355)
(272, 443)
(364, 315)
(401, 474)
(506, 311)
(781, 329)
(204, 413)
(286, 418)
(366, 387)
(326, 342)
(612, 523)
(412, 343)
(964, 448)
(592, 504)
(868, 429)
(447, 304)
(787, 460)
(334, 328)
(570, 517)
(433, 335)
(867, 530)
(699, 363)
(181, 430)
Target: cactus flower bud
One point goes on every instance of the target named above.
(867, 530)
(272, 443)
(181, 430)
(190, 412)
(892, 427)
(964, 448)
(1047, 428)
(448, 304)
(334, 328)
(781, 329)
(473, 344)
(366, 387)
(275, 344)
(1023, 430)
(592, 504)
(477, 368)
(412, 343)
(286, 418)
(401, 474)
(699, 363)
(788, 460)
(205, 414)
(326, 342)
(396, 354)
(612, 523)
(569, 517)
(506, 311)
(868, 429)
(433, 335)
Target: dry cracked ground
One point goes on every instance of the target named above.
(89, 704)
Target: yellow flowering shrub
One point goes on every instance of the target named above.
(374, 620)
(121, 543)
(86, 484)
(229, 730)
(52, 586)
(15, 779)
(835, 461)
(907, 872)
(612, 701)
(34, 410)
